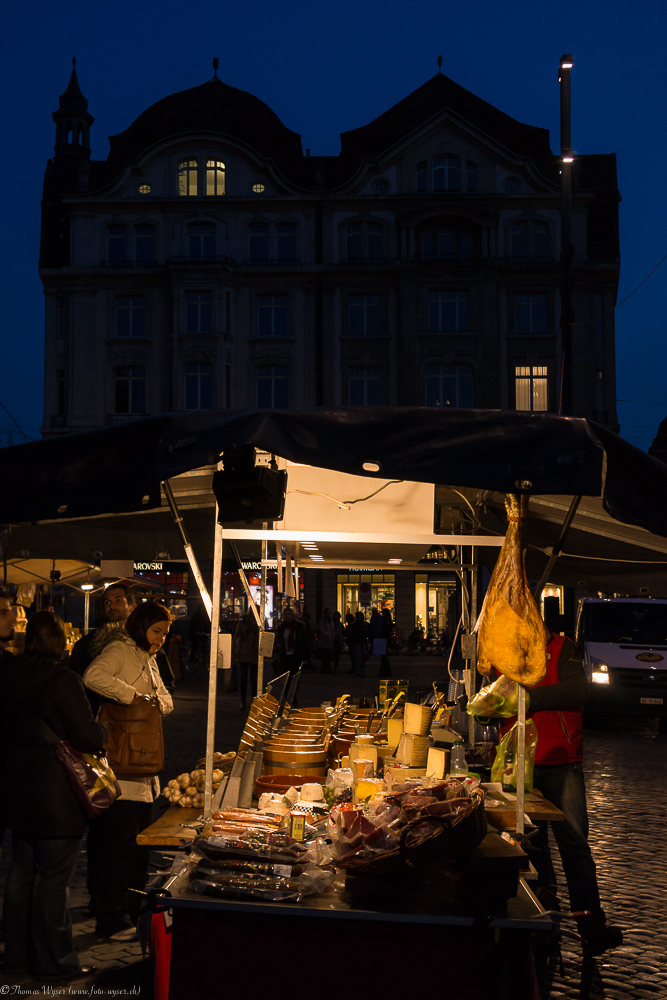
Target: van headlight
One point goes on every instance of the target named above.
(599, 671)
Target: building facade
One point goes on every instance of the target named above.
(208, 263)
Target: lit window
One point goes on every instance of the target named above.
(201, 240)
(215, 177)
(187, 178)
(258, 188)
(144, 189)
(272, 316)
(446, 173)
(365, 387)
(531, 387)
(198, 312)
(199, 387)
(449, 385)
(530, 314)
(130, 390)
(130, 317)
(286, 241)
(364, 316)
(446, 243)
(117, 244)
(144, 244)
(448, 312)
(272, 388)
(258, 241)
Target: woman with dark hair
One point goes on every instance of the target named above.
(39, 697)
(124, 670)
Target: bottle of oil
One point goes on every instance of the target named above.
(457, 766)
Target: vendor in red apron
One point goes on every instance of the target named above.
(555, 705)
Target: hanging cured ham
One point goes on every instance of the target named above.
(511, 634)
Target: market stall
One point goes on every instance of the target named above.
(126, 470)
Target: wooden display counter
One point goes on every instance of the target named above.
(169, 829)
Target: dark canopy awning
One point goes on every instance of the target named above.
(119, 469)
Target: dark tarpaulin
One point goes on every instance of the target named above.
(119, 469)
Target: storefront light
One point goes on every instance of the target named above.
(395, 560)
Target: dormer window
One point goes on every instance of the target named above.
(215, 178)
(187, 178)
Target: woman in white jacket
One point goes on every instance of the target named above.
(123, 670)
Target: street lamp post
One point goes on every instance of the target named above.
(566, 402)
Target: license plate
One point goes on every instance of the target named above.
(650, 701)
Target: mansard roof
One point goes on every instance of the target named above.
(212, 107)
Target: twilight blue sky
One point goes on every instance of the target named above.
(327, 67)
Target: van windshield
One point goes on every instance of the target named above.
(627, 623)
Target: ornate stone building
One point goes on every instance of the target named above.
(209, 262)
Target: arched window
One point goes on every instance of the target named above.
(144, 244)
(446, 173)
(286, 241)
(199, 387)
(449, 385)
(130, 390)
(201, 240)
(215, 177)
(258, 241)
(117, 244)
(446, 242)
(187, 178)
(272, 388)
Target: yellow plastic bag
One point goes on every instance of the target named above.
(504, 767)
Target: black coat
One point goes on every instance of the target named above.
(37, 795)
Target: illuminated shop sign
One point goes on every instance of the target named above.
(147, 567)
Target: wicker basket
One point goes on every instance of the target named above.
(452, 839)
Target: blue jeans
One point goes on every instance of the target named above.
(38, 927)
(563, 784)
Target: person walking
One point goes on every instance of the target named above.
(386, 630)
(358, 641)
(246, 647)
(339, 638)
(39, 693)
(125, 670)
(326, 637)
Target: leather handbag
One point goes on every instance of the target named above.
(92, 779)
(135, 745)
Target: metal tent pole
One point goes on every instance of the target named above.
(213, 667)
(262, 616)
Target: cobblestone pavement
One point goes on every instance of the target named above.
(628, 812)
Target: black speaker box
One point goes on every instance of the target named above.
(250, 494)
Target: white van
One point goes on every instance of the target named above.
(624, 644)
